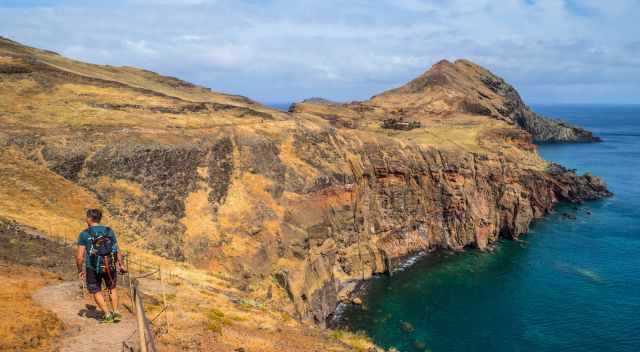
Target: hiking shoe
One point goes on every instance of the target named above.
(117, 317)
(107, 319)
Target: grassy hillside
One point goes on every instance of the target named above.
(266, 219)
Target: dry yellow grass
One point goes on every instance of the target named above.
(200, 224)
(207, 312)
(443, 129)
(129, 76)
(35, 196)
(289, 157)
(25, 326)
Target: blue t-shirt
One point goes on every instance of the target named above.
(84, 239)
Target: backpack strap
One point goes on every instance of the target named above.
(91, 239)
(91, 254)
(114, 247)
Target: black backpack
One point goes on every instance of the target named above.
(102, 250)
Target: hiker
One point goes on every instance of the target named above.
(97, 257)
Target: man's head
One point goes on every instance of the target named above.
(94, 216)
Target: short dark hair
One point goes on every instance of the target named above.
(94, 214)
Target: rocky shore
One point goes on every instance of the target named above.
(435, 201)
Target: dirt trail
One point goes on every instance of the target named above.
(85, 333)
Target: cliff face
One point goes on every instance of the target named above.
(403, 201)
(295, 207)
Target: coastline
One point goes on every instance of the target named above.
(361, 287)
(406, 263)
(569, 270)
(386, 252)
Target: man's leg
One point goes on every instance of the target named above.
(93, 285)
(101, 302)
(111, 280)
(113, 294)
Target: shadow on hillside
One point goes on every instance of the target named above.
(24, 248)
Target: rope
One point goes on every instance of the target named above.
(159, 313)
(126, 343)
(147, 274)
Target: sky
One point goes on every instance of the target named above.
(552, 51)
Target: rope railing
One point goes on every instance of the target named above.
(147, 330)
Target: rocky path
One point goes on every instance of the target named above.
(84, 332)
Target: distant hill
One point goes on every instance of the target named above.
(464, 88)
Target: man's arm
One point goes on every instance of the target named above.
(80, 260)
(120, 259)
(119, 255)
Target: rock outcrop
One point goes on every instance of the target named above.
(297, 207)
(462, 88)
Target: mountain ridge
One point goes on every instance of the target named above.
(287, 211)
(465, 87)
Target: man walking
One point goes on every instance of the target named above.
(97, 257)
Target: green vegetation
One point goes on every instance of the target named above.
(358, 340)
(217, 320)
(285, 316)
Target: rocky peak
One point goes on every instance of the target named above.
(465, 87)
(445, 90)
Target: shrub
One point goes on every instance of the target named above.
(359, 340)
(216, 320)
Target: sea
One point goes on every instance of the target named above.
(570, 285)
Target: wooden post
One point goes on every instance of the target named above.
(164, 299)
(84, 282)
(131, 294)
(140, 320)
(150, 338)
(126, 267)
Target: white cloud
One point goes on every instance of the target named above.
(288, 50)
(140, 47)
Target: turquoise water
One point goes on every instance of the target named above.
(573, 285)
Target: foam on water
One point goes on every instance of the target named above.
(407, 263)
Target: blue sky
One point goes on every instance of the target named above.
(553, 51)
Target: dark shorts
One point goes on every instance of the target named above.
(95, 279)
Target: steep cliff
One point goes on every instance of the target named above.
(296, 207)
(404, 200)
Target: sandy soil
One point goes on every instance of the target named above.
(80, 316)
